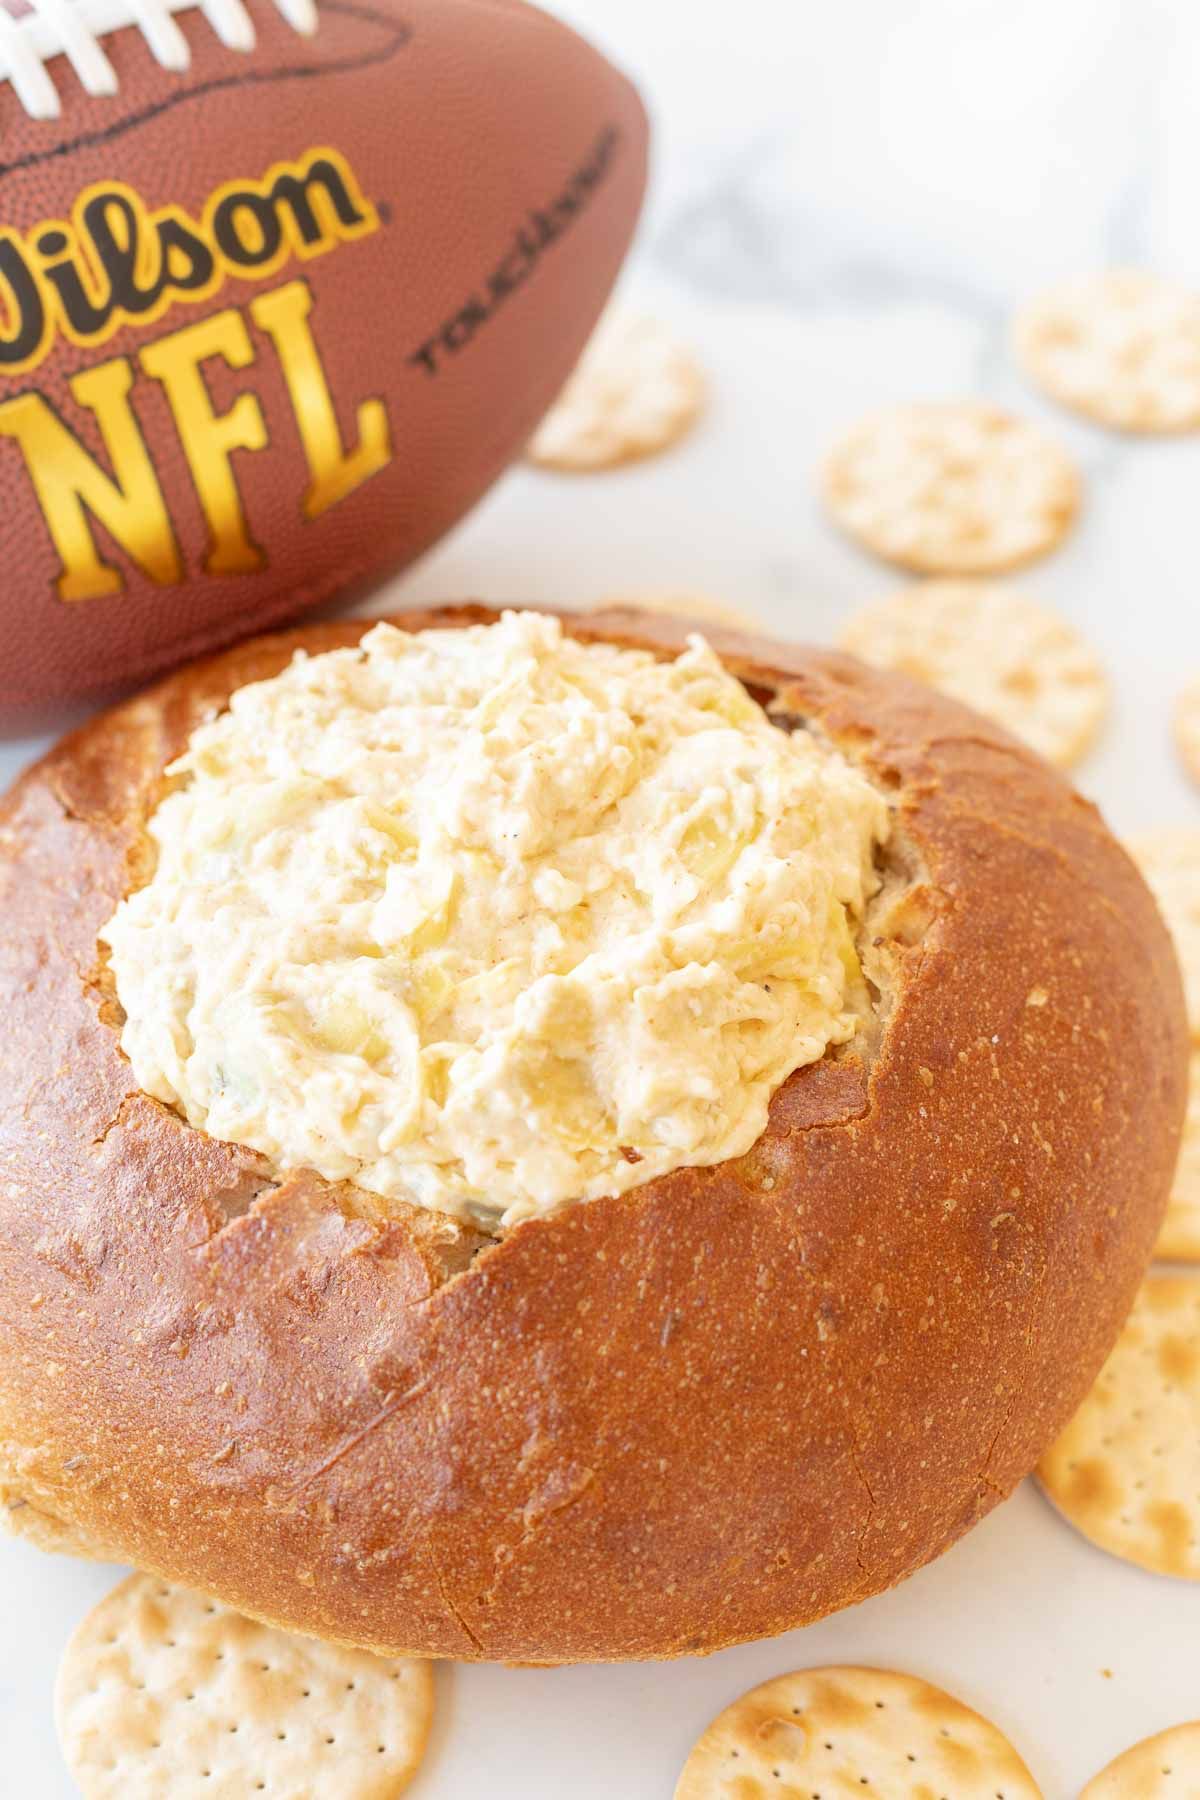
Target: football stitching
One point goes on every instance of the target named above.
(400, 36)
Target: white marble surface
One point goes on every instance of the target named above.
(848, 200)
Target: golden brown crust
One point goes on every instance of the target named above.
(712, 1409)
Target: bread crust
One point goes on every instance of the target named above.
(715, 1408)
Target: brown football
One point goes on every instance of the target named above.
(282, 291)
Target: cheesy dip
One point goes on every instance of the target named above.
(490, 920)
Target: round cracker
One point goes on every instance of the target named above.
(1126, 1471)
(1122, 347)
(684, 604)
(849, 1731)
(1170, 861)
(635, 391)
(990, 647)
(1165, 1767)
(953, 489)
(1180, 1236)
(1187, 728)
(162, 1692)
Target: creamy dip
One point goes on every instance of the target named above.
(490, 920)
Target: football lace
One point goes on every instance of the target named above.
(32, 32)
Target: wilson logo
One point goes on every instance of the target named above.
(117, 262)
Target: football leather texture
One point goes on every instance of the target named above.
(272, 321)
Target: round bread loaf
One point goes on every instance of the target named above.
(713, 1408)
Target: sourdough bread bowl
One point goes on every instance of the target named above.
(711, 1407)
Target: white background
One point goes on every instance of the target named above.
(848, 200)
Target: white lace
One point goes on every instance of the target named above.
(74, 28)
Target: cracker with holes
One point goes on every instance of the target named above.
(996, 650)
(951, 489)
(1163, 1767)
(1179, 1239)
(1170, 861)
(636, 391)
(162, 1693)
(1122, 347)
(682, 603)
(842, 1731)
(1126, 1471)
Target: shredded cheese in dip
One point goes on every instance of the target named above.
(490, 920)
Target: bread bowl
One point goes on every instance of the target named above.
(711, 1407)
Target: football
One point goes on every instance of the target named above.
(283, 289)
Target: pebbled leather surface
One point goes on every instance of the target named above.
(461, 120)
